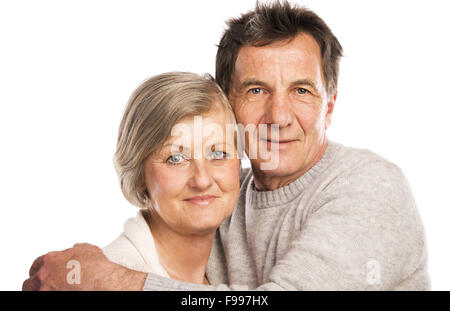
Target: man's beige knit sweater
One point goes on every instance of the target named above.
(349, 223)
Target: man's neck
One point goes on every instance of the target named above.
(183, 257)
(265, 180)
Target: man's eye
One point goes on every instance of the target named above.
(301, 90)
(175, 159)
(218, 155)
(256, 91)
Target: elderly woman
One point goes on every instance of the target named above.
(176, 162)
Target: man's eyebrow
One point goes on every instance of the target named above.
(255, 82)
(305, 82)
(249, 82)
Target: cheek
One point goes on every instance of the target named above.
(248, 113)
(309, 118)
(227, 177)
(165, 184)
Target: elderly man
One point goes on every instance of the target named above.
(327, 217)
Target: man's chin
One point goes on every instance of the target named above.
(277, 168)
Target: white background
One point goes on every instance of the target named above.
(67, 69)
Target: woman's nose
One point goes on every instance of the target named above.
(201, 175)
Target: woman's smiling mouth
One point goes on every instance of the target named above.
(201, 199)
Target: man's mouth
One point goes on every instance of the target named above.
(278, 141)
(277, 144)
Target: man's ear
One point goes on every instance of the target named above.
(330, 109)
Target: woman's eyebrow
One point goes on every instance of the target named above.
(178, 147)
(220, 143)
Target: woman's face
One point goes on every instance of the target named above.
(193, 181)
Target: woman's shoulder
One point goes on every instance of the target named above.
(120, 245)
(123, 252)
(135, 247)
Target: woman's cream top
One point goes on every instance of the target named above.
(135, 248)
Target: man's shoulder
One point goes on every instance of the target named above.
(346, 162)
(357, 161)
(361, 174)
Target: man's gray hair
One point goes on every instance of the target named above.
(272, 22)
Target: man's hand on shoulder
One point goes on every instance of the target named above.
(82, 267)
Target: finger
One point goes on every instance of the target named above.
(45, 288)
(31, 284)
(36, 265)
(86, 246)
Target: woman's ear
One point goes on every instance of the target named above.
(144, 191)
(146, 198)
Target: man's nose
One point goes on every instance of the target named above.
(201, 178)
(279, 110)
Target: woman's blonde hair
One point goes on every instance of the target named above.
(152, 110)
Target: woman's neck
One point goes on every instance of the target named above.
(184, 257)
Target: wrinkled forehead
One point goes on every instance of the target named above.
(294, 55)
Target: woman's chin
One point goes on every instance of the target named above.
(202, 227)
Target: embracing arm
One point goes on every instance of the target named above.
(82, 267)
(365, 234)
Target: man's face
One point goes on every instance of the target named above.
(282, 83)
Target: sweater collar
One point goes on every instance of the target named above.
(287, 193)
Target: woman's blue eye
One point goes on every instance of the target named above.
(175, 159)
(218, 155)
